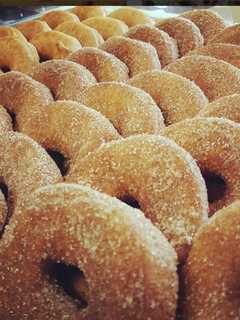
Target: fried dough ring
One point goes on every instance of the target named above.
(85, 12)
(6, 31)
(215, 77)
(177, 97)
(147, 169)
(230, 35)
(125, 251)
(131, 110)
(131, 16)
(104, 66)
(56, 17)
(30, 28)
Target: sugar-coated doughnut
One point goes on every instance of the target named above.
(3, 211)
(185, 32)
(131, 16)
(211, 272)
(178, 98)
(223, 51)
(5, 120)
(166, 46)
(137, 55)
(230, 35)
(215, 77)
(85, 12)
(54, 44)
(106, 26)
(6, 31)
(104, 66)
(144, 170)
(131, 110)
(30, 28)
(17, 54)
(87, 36)
(56, 17)
(209, 22)
(215, 144)
(65, 79)
(88, 129)
(24, 98)
(226, 107)
(127, 264)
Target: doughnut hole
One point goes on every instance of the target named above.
(216, 185)
(61, 161)
(5, 69)
(68, 278)
(13, 118)
(131, 201)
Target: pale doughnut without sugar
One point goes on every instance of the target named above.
(209, 22)
(87, 36)
(185, 32)
(54, 44)
(85, 12)
(230, 35)
(211, 272)
(65, 79)
(127, 264)
(131, 16)
(144, 171)
(137, 55)
(30, 28)
(131, 110)
(166, 46)
(106, 26)
(56, 17)
(104, 66)
(216, 78)
(6, 31)
(215, 144)
(178, 98)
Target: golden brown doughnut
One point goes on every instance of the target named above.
(65, 79)
(56, 17)
(6, 31)
(178, 98)
(215, 144)
(127, 264)
(17, 54)
(185, 32)
(131, 110)
(106, 26)
(73, 130)
(5, 120)
(226, 107)
(209, 22)
(211, 272)
(88, 37)
(230, 35)
(131, 16)
(104, 66)
(215, 77)
(3, 211)
(166, 46)
(30, 28)
(85, 12)
(54, 44)
(144, 171)
(137, 55)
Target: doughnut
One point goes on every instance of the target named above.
(56, 17)
(6, 31)
(223, 51)
(127, 264)
(106, 26)
(137, 55)
(24, 167)
(166, 46)
(72, 130)
(131, 16)
(5, 121)
(88, 37)
(211, 272)
(54, 44)
(17, 54)
(215, 77)
(104, 66)
(24, 98)
(85, 12)
(215, 144)
(178, 98)
(3, 211)
(209, 22)
(65, 79)
(225, 107)
(30, 28)
(131, 110)
(185, 32)
(230, 35)
(144, 171)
